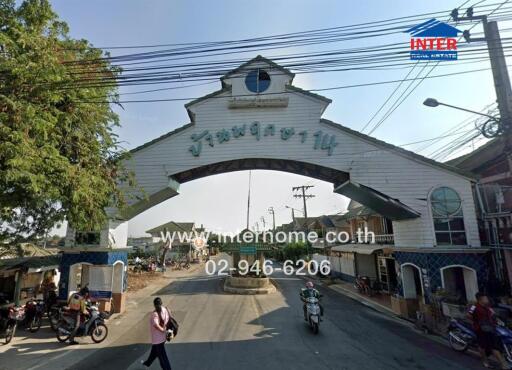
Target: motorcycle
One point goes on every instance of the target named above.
(313, 313)
(461, 336)
(363, 285)
(34, 311)
(9, 318)
(94, 326)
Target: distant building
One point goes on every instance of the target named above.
(183, 238)
(493, 163)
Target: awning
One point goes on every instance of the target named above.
(357, 248)
(379, 202)
(31, 264)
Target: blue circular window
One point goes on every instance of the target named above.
(257, 81)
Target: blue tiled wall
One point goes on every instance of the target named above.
(433, 262)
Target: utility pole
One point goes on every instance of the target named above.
(248, 202)
(302, 194)
(264, 222)
(271, 211)
(499, 69)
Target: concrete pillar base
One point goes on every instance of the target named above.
(248, 285)
(119, 300)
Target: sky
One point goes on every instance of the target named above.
(129, 22)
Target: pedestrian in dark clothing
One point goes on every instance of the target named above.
(158, 327)
(484, 324)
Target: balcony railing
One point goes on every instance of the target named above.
(384, 239)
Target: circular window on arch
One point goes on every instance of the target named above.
(448, 218)
(257, 80)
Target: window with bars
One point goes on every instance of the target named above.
(448, 218)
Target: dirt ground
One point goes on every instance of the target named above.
(138, 281)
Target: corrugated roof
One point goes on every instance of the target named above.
(25, 250)
(358, 212)
(357, 248)
(172, 226)
(26, 263)
(482, 155)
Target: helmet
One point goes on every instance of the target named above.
(309, 285)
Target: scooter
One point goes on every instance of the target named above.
(34, 311)
(363, 285)
(462, 336)
(313, 313)
(94, 326)
(9, 318)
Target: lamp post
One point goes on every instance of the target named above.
(295, 209)
(491, 128)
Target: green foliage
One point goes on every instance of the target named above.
(292, 251)
(59, 156)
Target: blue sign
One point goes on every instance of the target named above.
(248, 250)
(433, 40)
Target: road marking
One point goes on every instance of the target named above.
(53, 358)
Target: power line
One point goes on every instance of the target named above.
(281, 93)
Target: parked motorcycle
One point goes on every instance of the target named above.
(462, 336)
(94, 326)
(34, 311)
(313, 313)
(363, 285)
(9, 318)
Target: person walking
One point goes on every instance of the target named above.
(484, 323)
(158, 327)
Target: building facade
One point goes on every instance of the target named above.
(259, 120)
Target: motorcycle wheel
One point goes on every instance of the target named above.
(9, 332)
(61, 337)
(35, 324)
(99, 333)
(457, 344)
(53, 316)
(507, 351)
(315, 328)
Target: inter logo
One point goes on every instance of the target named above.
(433, 40)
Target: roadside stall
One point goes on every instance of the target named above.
(21, 278)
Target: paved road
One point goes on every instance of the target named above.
(222, 331)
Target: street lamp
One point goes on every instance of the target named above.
(295, 209)
(491, 128)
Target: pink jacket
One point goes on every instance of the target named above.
(158, 336)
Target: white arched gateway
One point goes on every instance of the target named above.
(260, 120)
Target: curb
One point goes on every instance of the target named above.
(367, 302)
(391, 314)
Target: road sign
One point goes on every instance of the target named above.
(250, 249)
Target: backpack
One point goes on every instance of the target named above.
(74, 303)
(172, 325)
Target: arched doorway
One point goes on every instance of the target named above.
(412, 287)
(78, 277)
(460, 281)
(411, 281)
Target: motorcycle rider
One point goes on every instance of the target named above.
(310, 292)
(484, 324)
(77, 309)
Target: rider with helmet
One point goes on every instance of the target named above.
(77, 308)
(310, 292)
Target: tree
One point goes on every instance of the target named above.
(59, 156)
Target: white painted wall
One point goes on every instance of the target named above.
(373, 165)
